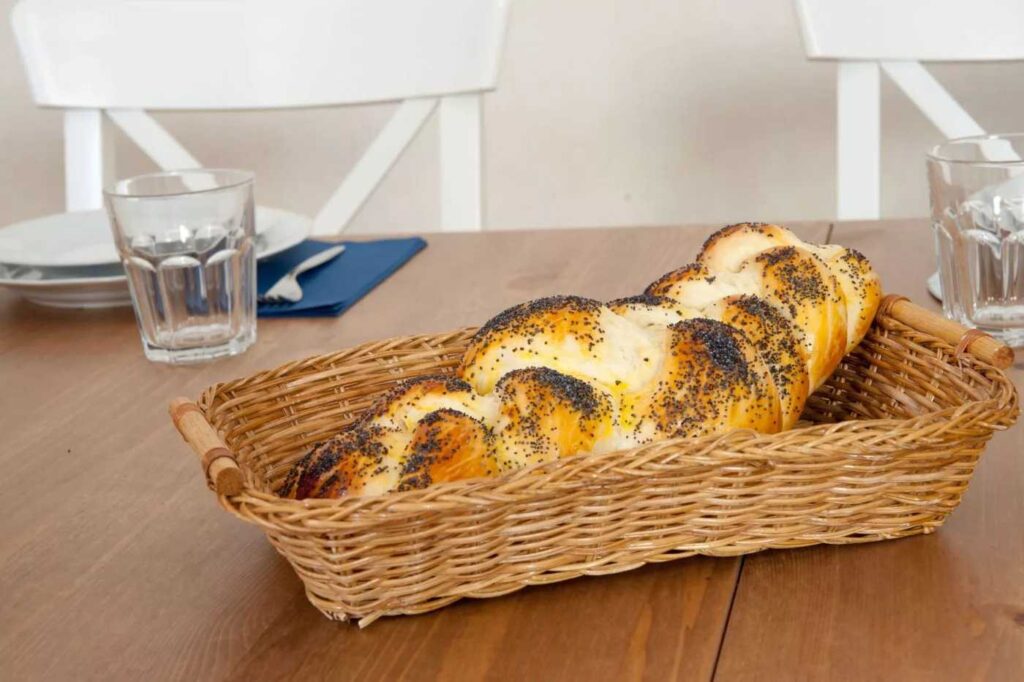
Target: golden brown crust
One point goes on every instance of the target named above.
(735, 340)
(407, 393)
(409, 401)
(778, 342)
(447, 445)
(712, 380)
(789, 277)
(649, 310)
(529, 332)
(727, 249)
(545, 415)
(357, 461)
(620, 305)
(575, 336)
(803, 286)
(665, 286)
(555, 315)
(771, 231)
(730, 246)
(862, 290)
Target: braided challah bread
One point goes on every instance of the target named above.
(738, 339)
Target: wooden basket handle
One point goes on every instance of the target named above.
(222, 472)
(973, 341)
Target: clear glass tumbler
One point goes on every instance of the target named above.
(186, 242)
(977, 199)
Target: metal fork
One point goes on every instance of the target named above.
(287, 289)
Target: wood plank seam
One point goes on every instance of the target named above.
(728, 615)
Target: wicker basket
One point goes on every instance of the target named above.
(886, 450)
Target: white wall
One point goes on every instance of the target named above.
(609, 112)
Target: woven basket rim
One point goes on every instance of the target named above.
(999, 407)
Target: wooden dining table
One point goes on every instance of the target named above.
(116, 563)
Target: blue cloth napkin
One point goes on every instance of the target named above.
(334, 287)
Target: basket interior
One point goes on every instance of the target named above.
(273, 418)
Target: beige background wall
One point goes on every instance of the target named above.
(608, 112)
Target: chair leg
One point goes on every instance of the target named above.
(932, 99)
(88, 159)
(153, 139)
(374, 164)
(461, 186)
(858, 141)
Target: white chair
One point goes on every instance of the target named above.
(116, 58)
(895, 36)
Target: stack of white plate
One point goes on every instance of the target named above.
(68, 260)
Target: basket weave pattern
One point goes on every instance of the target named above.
(886, 449)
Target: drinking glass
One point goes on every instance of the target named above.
(977, 200)
(186, 241)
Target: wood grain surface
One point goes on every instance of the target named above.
(947, 606)
(116, 562)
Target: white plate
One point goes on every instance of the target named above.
(278, 230)
(84, 238)
(96, 286)
(104, 285)
(27, 276)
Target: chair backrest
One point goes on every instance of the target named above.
(868, 37)
(123, 56)
(253, 54)
(918, 30)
